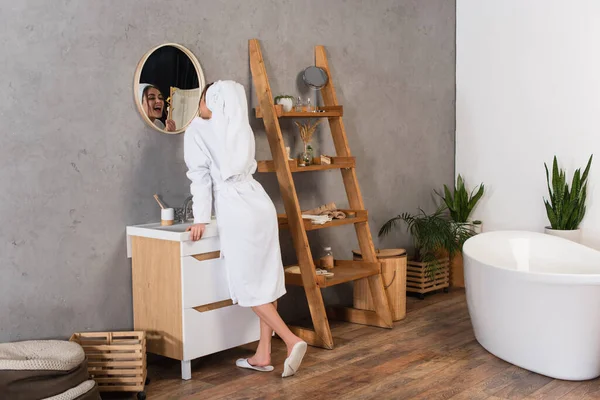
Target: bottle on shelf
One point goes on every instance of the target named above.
(326, 260)
(299, 104)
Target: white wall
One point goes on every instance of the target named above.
(527, 88)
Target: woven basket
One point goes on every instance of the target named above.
(418, 281)
(116, 360)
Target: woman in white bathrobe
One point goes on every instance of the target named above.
(219, 152)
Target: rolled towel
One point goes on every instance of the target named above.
(337, 214)
(320, 210)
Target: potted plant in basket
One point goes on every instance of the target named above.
(436, 239)
(566, 207)
(461, 203)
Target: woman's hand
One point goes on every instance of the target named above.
(171, 125)
(196, 231)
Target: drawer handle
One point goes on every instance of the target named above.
(214, 306)
(207, 256)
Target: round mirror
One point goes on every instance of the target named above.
(167, 86)
(315, 77)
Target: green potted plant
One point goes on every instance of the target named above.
(460, 202)
(286, 101)
(436, 239)
(566, 207)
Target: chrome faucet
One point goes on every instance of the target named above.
(184, 213)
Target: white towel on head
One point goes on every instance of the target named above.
(227, 102)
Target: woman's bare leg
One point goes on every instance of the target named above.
(269, 315)
(262, 358)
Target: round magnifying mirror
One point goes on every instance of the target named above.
(315, 77)
(167, 86)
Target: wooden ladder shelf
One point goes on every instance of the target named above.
(345, 271)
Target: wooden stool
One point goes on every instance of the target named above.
(394, 280)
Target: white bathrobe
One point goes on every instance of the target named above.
(219, 154)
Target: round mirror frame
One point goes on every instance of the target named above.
(321, 72)
(138, 74)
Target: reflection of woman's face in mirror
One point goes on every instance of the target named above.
(166, 86)
(153, 103)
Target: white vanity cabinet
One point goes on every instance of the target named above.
(181, 295)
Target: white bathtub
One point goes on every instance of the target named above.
(534, 301)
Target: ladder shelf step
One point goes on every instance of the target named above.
(322, 112)
(354, 217)
(336, 163)
(343, 271)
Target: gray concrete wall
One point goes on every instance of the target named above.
(77, 163)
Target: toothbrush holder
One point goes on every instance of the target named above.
(167, 216)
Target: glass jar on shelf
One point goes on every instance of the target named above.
(305, 158)
(326, 261)
(299, 104)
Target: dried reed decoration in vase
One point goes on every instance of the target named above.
(307, 131)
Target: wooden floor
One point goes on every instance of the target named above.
(432, 354)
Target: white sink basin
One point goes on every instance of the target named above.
(176, 232)
(176, 227)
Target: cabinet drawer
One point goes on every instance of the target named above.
(207, 244)
(203, 282)
(217, 330)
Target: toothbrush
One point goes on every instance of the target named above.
(160, 203)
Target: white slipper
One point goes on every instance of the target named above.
(292, 363)
(243, 363)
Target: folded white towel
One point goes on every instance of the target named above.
(317, 219)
